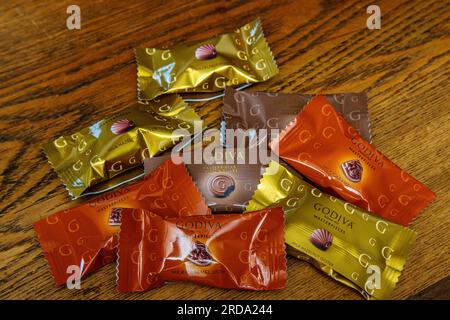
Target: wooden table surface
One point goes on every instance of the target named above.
(55, 81)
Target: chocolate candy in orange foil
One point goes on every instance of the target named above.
(231, 59)
(233, 251)
(86, 235)
(326, 149)
(200, 255)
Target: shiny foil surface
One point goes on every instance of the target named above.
(233, 251)
(226, 184)
(86, 235)
(325, 148)
(206, 66)
(119, 142)
(246, 110)
(349, 244)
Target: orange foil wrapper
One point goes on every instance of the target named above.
(234, 251)
(87, 235)
(322, 146)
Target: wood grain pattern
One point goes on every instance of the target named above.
(55, 81)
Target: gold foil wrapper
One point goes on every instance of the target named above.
(119, 142)
(206, 66)
(351, 245)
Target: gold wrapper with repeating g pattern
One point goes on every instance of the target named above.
(271, 110)
(206, 66)
(87, 234)
(351, 245)
(119, 142)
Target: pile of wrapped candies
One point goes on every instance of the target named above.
(329, 197)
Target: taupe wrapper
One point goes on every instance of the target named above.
(265, 110)
(232, 59)
(118, 143)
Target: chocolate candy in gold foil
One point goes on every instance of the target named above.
(207, 66)
(119, 142)
(351, 245)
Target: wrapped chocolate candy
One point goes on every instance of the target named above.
(86, 235)
(226, 179)
(119, 142)
(325, 148)
(269, 110)
(349, 244)
(206, 66)
(233, 251)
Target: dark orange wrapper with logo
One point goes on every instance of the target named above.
(322, 146)
(87, 235)
(234, 251)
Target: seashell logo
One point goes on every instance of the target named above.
(122, 126)
(200, 255)
(322, 239)
(352, 170)
(205, 52)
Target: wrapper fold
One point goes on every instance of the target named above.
(349, 244)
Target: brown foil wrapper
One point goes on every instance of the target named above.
(86, 235)
(119, 142)
(232, 251)
(227, 180)
(266, 110)
(206, 66)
